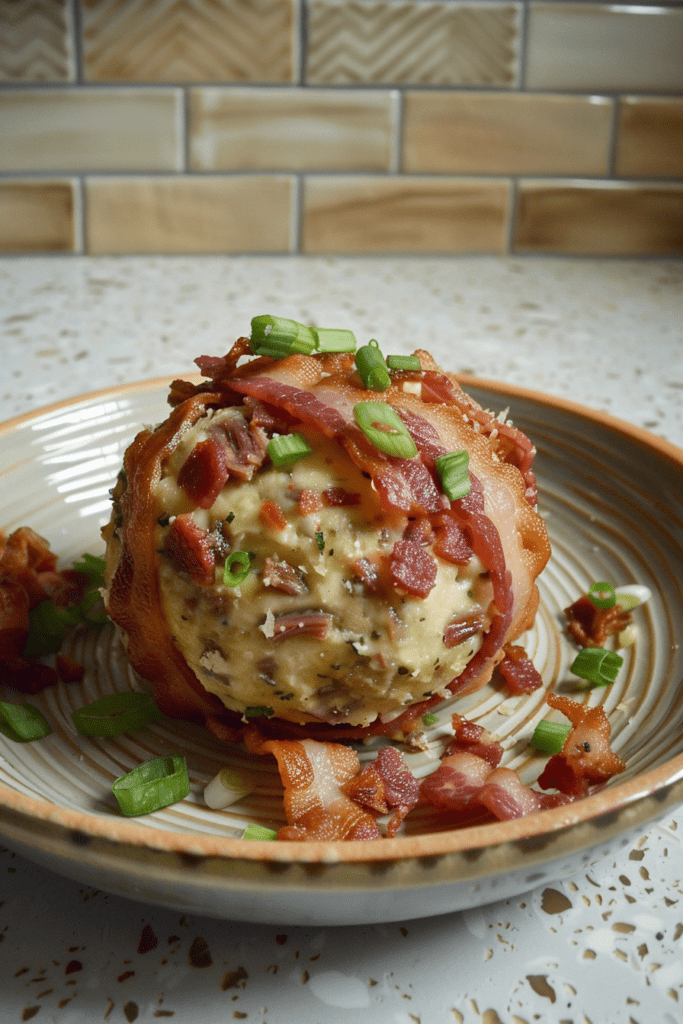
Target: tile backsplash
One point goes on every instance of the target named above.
(341, 126)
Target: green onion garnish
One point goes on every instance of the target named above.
(93, 567)
(258, 711)
(453, 470)
(385, 429)
(334, 340)
(598, 666)
(227, 787)
(372, 368)
(22, 722)
(92, 609)
(115, 714)
(404, 363)
(152, 785)
(287, 448)
(242, 560)
(278, 337)
(602, 595)
(45, 630)
(320, 540)
(429, 719)
(230, 516)
(259, 832)
(549, 737)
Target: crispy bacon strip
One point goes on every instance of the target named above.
(586, 759)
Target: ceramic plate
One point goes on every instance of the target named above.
(611, 496)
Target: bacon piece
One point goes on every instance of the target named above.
(506, 797)
(586, 758)
(218, 368)
(309, 502)
(412, 568)
(27, 677)
(459, 630)
(452, 543)
(204, 472)
(474, 739)
(272, 516)
(518, 670)
(190, 550)
(337, 496)
(383, 785)
(69, 670)
(456, 782)
(368, 573)
(270, 419)
(315, 624)
(283, 576)
(590, 626)
(14, 620)
(64, 587)
(244, 446)
(420, 530)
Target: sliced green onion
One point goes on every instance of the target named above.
(22, 722)
(628, 635)
(45, 630)
(259, 832)
(320, 540)
(152, 785)
(385, 429)
(242, 559)
(230, 516)
(429, 719)
(372, 368)
(92, 609)
(278, 337)
(598, 666)
(115, 714)
(549, 737)
(93, 567)
(334, 340)
(453, 469)
(632, 595)
(602, 595)
(227, 788)
(258, 711)
(288, 448)
(404, 363)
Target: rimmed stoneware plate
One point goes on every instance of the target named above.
(612, 497)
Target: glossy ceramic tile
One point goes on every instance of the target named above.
(188, 215)
(425, 42)
(588, 46)
(90, 129)
(599, 218)
(650, 140)
(506, 133)
(291, 129)
(403, 215)
(36, 41)
(37, 216)
(189, 40)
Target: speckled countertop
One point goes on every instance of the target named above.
(605, 946)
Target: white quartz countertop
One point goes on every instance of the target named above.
(603, 947)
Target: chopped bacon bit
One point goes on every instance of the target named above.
(347, 823)
(456, 782)
(420, 530)
(244, 446)
(315, 624)
(519, 671)
(474, 739)
(464, 628)
(383, 785)
(271, 419)
(586, 757)
(190, 549)
(309, 502)
(272, 516)
(217, 367)
(27, 677)
(203, 474)
(64, 587)
(368, 573)
(336, 496)
(283, 576)
(412, 568)
(452, 543)
(69, 670)
(506, 796)
(14, 620)
(590, 626)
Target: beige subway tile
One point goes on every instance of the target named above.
(650, 137)
(506, 133)
(404, 215)
(201, 41)
(599, 219)
(90, 130)
(589, 46)
(37, 216)
(36, 41)
(412, 42)
(292, 129)
(188, 214)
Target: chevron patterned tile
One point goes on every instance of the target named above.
(188, 40)
(412, 42)
(36, 41)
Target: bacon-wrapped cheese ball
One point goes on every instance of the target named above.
(342, 593)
